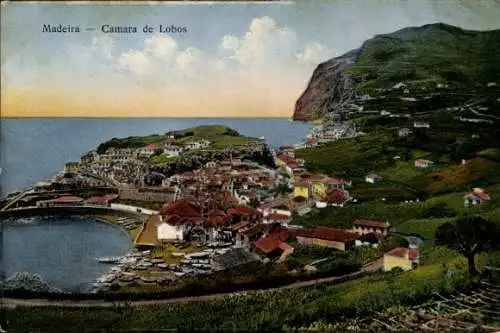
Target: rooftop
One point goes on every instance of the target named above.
(183, 208)
(337, 235)
(278, 217)
(66, 199)
(372, 224)
(401, 252)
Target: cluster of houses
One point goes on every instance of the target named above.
(120, 163)
(264, 231)
(245, 181)
(329, 133)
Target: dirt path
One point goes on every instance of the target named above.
(13, 302)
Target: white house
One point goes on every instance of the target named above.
(169, 233)
(403, 132)
(421, 163)
(148, 150)
(420, 124)
(172, 151)
(373, 178)
(201, 144)
(476, 197)
(399, 85)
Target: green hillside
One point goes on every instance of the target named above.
(433, 53)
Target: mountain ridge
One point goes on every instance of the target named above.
(429, 54)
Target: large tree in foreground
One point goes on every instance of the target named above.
(469, 235)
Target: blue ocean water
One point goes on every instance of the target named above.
(62, 250)
(33, 149)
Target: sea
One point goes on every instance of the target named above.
(62, 250)
(34, 149)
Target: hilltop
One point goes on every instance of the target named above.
(220, 137)
(421, 57)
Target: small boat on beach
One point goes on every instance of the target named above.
(157, 261)
(126, 279)
(109, 260)
(145, 264)
(197, 255)
(163, 266)
(148, 279)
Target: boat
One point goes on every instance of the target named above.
(145, 253)
(157, 261)
(145, 264)
(163, 266)
(197, 255)
(178, 254)
(149, 279)
(179, 274)
(109, 260)
(126, 279)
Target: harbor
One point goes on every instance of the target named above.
(142, 267)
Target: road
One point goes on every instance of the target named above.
(13, 302)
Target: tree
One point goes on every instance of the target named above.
(468, 235)
(254, 202)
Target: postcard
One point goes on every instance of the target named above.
(253, 166)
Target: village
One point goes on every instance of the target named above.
(235, 212)
(231, 211)
(224, 214)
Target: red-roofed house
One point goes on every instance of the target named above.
(182, 208)
(367, 226)
(335, 238)
(244, 214)
(476, 197)
(288, 163)
(337, 197)
(150, 149)
(335, 183)
(272, 247)
(404, 258)
(282, 219)
(421, 163)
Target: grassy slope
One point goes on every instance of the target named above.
(220, 136)
(430, 54)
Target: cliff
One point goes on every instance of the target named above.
(326, 87)
(419, 56)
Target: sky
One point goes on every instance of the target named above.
(229, 60)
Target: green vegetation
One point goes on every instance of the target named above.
(159, 159)
(219, 136)
(352, 157)
(256, 311)
(130, 142)
(428, 55)
(425, 228)
(469, 236)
